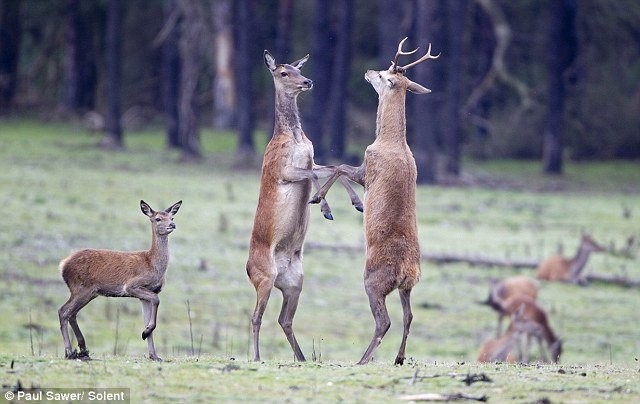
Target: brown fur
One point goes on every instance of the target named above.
(534, 323)
(282, 214)
(90, 273)
(559, 268)
(514, 286)
(388, 175)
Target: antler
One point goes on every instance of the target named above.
(422, 59)
(394, 63)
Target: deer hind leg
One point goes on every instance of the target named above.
(263, 286)
(290, 284)
(67, 315)
(381, 317)
(146, 316)
(405, 299)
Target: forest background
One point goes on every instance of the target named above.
(528, 79)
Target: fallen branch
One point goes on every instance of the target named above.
(480, 260)
(442, 397)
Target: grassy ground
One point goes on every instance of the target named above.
(59, 193)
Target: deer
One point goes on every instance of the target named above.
(282, 214)
(533, 322)
(514, 286)
(388, 174)
(504, 348)
(90, 273)
(559, 268)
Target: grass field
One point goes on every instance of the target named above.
(59, 193)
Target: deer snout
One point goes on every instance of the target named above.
(308, 83)
(172, 226)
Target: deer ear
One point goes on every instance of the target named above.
(174, 208)
(298, 63)
(146, 209)
(269, 60)
(417, 88)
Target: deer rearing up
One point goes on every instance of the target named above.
(91, 273)
(559, 268)
(388, 175)
(282, 214)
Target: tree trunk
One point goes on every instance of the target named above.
(562, 49)
(192, 31)
(10, 33)
(223, 84)
(171, 75)
(425, 107)
(339, 90)
(113, 129)
(456, 11)
(79, 61)
(389, 34)
(244, 62)
(321, 64)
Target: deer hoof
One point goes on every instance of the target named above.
(315, 199)
(155, 358)
(328, 216)
(399, 361)
(71, 354)
(146, 333)
(359, 207)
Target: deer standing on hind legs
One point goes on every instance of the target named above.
(282, 214)
(91, 273)
(388, 175)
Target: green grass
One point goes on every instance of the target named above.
(59, 192)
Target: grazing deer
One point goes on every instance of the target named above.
(514, 286)
(533, 323)
(282, 214)
(559, 268)
(91, 273)
(388, 175)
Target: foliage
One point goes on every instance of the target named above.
(61, 193)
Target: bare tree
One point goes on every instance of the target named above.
(453, 137)
(244, 62)
(193, 31)
(168, 39)
(562, 51)
(425, 114)
(10, 33)
(339, 84)
(223, 83)
(112, 138)
(321, 66)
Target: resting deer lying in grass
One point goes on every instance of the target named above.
(282, 215)
(533, 323)
(559, 268)
(91, 273)
(514, 286)
(504, 348)
(388, 175)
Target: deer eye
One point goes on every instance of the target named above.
(158, 219)
(284, 74)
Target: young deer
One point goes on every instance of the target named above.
(559, 268)
(91, 273)
(514, 286)
(282, 214)
(388, 175)
(533, 323)
(503, 348)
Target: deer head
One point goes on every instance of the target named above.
(162, 221)
(393, 78)
(287, 77)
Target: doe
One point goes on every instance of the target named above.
(90, 273)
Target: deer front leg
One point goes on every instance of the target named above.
(355, 174)
(146, 316)
(146, 295)
(296, 174)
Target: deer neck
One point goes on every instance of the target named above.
(159, 252)
(577, 263)
(286, 118)
(391, 121)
